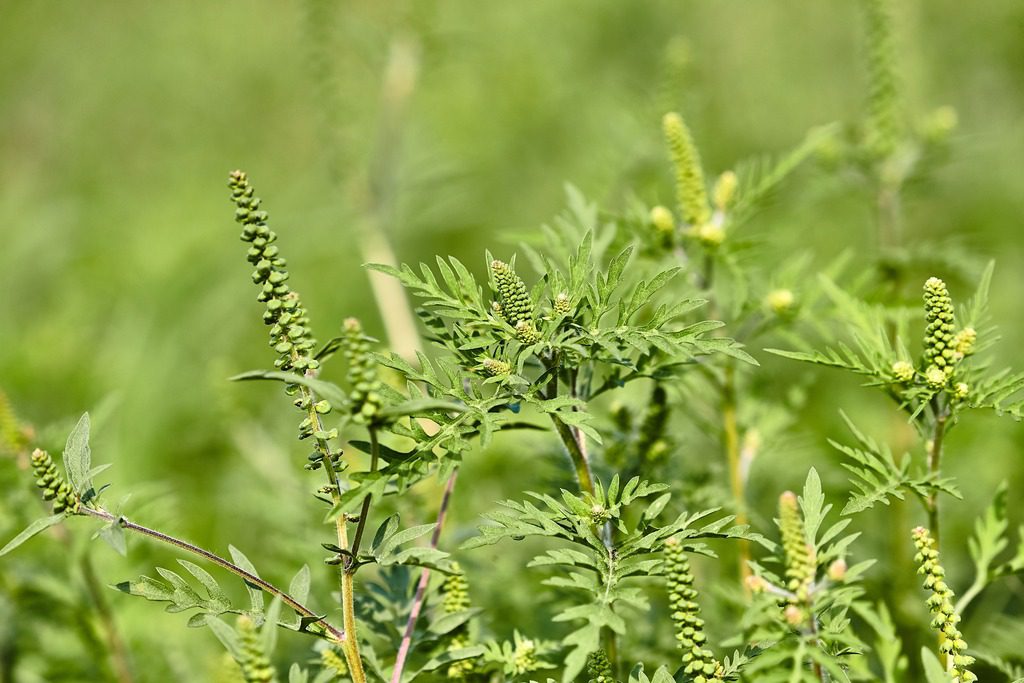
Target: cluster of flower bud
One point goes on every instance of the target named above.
(493, 367)
(939, 331)
(289, 325)
(562, 305)
(944, 347)
(599, 668)
(456, 599)
(364, 386)
(53, 485)
(801, 563)
(524, 657)
(698, 661)
(940, 603)
(255, 664)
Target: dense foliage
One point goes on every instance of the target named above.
(637, 361)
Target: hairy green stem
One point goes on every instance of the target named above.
(576, 455)
(350, 645)
(941, 415)
(250, 578)
(731, 438)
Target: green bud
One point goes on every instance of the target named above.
(782, 302)
(903, 371)
(495, 368)
(725, 190)
(53, 485)
(513, 298)
(663, 220)
(527, 333)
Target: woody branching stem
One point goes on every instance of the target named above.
(330, 631)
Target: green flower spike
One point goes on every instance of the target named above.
(364, 396)
(884, 126)
(690, 186)
(456, 599)
(800, 561)
(289, 325)
(54, 486)
(939, 337)
(599, 668)
(255, 664)
(940, 604)
(699, 662)
(513, 297)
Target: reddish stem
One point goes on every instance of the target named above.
(421, 588)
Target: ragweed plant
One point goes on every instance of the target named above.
(617, 350)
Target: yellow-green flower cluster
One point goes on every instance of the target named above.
(940, 603)
(963, 343)
(562, 304)
(599, 668)
(698, 661)
(255, 664)
(493, 367)
(364, 385)
(53, 485)
(524, 657)
(456, 599)
(800, 560)
(289, 325)
(690, 185)
(903, 371)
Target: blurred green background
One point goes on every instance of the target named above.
(123, 286)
